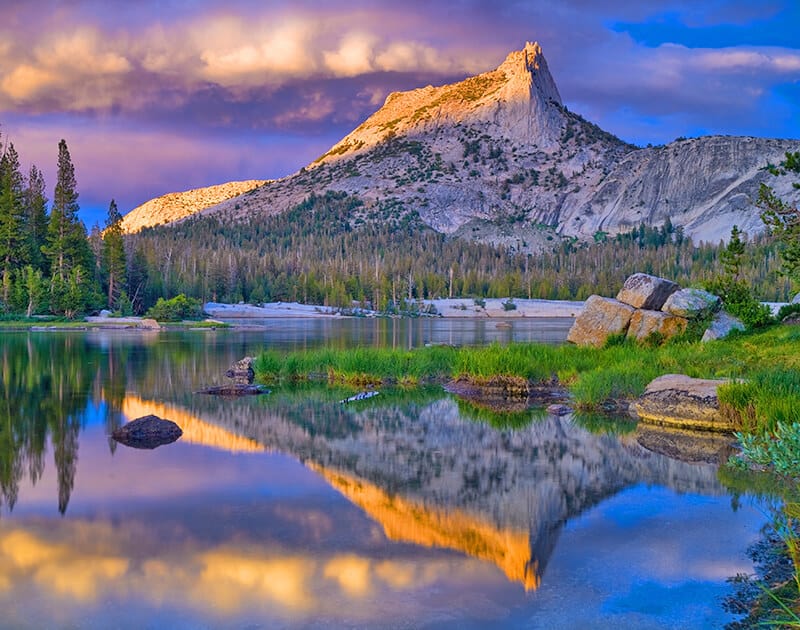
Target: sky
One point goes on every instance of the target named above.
(158, 96)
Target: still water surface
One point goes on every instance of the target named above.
(289, 510)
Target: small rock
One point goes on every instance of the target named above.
(642, 290)
(721, 326)
(558, 410)
(242, 371)
(147, 432)
(149, 324)
(600, 318)
(645, 323)
(691, 303)
(359, 396)
(104, 313)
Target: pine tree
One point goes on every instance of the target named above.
(36, 218)
(11, 219)
(732, 255)
(783, 218)
(113, 256)
(67, 247)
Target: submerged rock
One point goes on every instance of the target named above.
(601, 317)
(642, 290)
(235, 389)
(680, 401)
(147, 432)
(687, 446)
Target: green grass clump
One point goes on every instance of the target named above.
(769, 360)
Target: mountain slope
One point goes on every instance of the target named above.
(497, 158)
(178, 205)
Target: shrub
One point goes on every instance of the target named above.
(739, 302)
(509, 305)
(176, 309)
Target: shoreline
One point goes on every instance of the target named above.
(450, 308)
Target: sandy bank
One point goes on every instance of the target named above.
(457, 307)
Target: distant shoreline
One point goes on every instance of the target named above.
(489, 308)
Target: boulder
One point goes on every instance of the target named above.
(600, 318)
(148, 324)
(679, 401)
(105, 313)
(687, 446)
(642, 290)
(796, 299)
(645, 323)
(691, 303)
(147, 432)
(721, 326)
(242, 371)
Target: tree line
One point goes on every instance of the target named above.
(48, 262)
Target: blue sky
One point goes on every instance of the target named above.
(159, 96)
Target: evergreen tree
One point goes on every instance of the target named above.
(36, 219)
(67, 247)
(733, 253)
(113, 256)
(11, 219)
(783, 219)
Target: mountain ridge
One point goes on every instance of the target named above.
(499, 159)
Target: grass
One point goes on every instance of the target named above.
(768, 359)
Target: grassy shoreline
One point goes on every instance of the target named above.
(769, 360)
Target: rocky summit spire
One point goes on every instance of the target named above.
(518, 100)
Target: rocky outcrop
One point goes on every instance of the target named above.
(242, 371)
(692, 303)
(601, 317)
(680, 401)
(644, 291)
(721, 326)
(178, 205)
(645, 324)
(147, 432)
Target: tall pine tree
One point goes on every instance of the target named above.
(12, 238)
(67, 247)
(36, 219)
(113, 256)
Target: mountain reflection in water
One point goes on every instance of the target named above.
(290, 505)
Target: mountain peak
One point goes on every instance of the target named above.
(519, 98)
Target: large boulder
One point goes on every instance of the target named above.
(679, 401)
(642, 290)
(796, 299)
(691, 303)
(147, 432)
(645, 323)
(721, 326)
(600, 318)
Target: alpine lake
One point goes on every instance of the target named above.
(412, 509)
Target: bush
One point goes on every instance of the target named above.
(786, 310)
(739, 302)
(509, 305)
(176, 309)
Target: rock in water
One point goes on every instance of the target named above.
(600, 318)
(242, 371)
(645, 323)
(691, 303)
(147, 432)
(721, 326)
(680, 401)
(642, 290)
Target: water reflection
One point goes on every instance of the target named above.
(400, 501)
